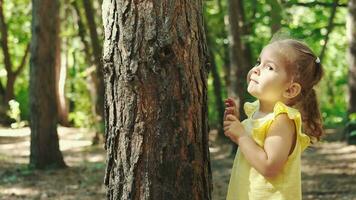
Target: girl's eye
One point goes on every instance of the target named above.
(258, 63)
(269, 68)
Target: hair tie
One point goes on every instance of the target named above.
(317, 60)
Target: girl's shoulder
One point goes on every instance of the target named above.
(279, 108)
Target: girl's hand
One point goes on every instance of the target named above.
(231, 108)
(233, 128)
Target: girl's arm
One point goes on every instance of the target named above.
(270, 159)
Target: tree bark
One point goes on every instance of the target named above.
(45, 151)
(351, 24)
(155, 71)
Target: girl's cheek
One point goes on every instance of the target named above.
(248, 76)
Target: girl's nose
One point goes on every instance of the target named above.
(256, 70)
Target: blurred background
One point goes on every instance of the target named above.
(236, 32)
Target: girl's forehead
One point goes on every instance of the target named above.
(269, 53)
(275, 53)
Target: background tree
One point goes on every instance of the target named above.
(352, 56)
(155, 71)
(97, 76)
(240, 55)
(351, 24)
(44, 138)
(7, 91)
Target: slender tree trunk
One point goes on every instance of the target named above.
(96, 77)
(82, 32)
(351, 29)
(218, 98)
(97, 53)
(155, 70)
(216, 85)
(43, 107)
(61, 75)
(92, 78)
(240, 55)
(276, 15)
(330, 88)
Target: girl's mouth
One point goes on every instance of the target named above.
(254, 81)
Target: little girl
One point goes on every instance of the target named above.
(272, 138)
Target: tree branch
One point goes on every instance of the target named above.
(329, 28)
(4, 41)
(314, 3)
(82, 32)
(23, 61)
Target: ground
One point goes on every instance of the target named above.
(328, 171)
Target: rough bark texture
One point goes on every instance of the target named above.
(44, 138)
(351, 26)
(156, 100)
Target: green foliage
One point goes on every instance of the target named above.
(352, 117)
(353, 133)
(305, 23)
(22, 95)
(308, 24)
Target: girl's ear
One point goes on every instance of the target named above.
(292, 91)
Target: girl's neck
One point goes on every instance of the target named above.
(266, 106)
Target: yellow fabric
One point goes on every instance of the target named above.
(246, 183)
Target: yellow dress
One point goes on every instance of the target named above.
(246, 183)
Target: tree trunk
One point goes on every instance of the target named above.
(155, 71)
(351, 24)
(216, 85)
(82, 32)
(96, 77)
(97, 53)
(61, 76)
(44, 114)
(276, 15)
(218, 97)
(240, 55)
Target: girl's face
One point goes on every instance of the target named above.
(268, 79)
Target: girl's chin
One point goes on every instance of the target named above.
(253, 93)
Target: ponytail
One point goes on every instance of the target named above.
(312, 121)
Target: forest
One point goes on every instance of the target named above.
(125, 99)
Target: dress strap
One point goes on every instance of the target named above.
(250, 107)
